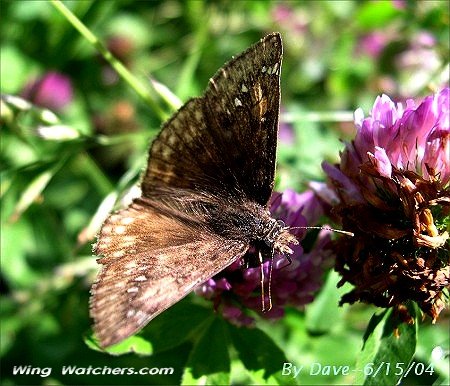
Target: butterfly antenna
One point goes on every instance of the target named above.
(325, 228)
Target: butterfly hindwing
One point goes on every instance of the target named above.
(144, 274)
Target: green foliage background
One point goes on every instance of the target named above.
(51, 190)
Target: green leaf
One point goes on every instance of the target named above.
(325, 307)
(257, 351)
(167, 95)
(174, 326)
(213, 379)
(133, 344)
(385, 356)
(31, 193)
(35, 188)
(242, 376)
(209, 362)
(433, 347)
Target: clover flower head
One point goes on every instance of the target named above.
(392, 189)
(53, 91)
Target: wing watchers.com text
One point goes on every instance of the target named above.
(91, 370)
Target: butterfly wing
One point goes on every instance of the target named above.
(219, 148)
(224, 143)
(145, 273)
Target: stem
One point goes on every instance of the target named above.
(127, 76)
(84, 162)
(190, 65)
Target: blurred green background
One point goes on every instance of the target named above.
(338, 56)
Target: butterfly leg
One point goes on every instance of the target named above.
(288, 258)
(269, 285)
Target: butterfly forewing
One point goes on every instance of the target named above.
(225, 142)
(209, 177)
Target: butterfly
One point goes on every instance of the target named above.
(204, 200)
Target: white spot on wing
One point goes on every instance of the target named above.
(132, 290)
(172, 140)
(119, 253)
(120, 229)
(112, 297)
(151, 291)
(176, 123)
(130, 265)
(237, 102)
(275, 68)
(106, 229)
(141, 316)
(141, 278)
(244, 88)
(186, 135)
(166, 152)
(106, 240)
(127, 220)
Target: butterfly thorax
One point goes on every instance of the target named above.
(253, 223)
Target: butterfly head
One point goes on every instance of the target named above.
(278, 236)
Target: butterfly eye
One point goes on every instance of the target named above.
(281, 223)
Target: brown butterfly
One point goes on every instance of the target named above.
(204, 198)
